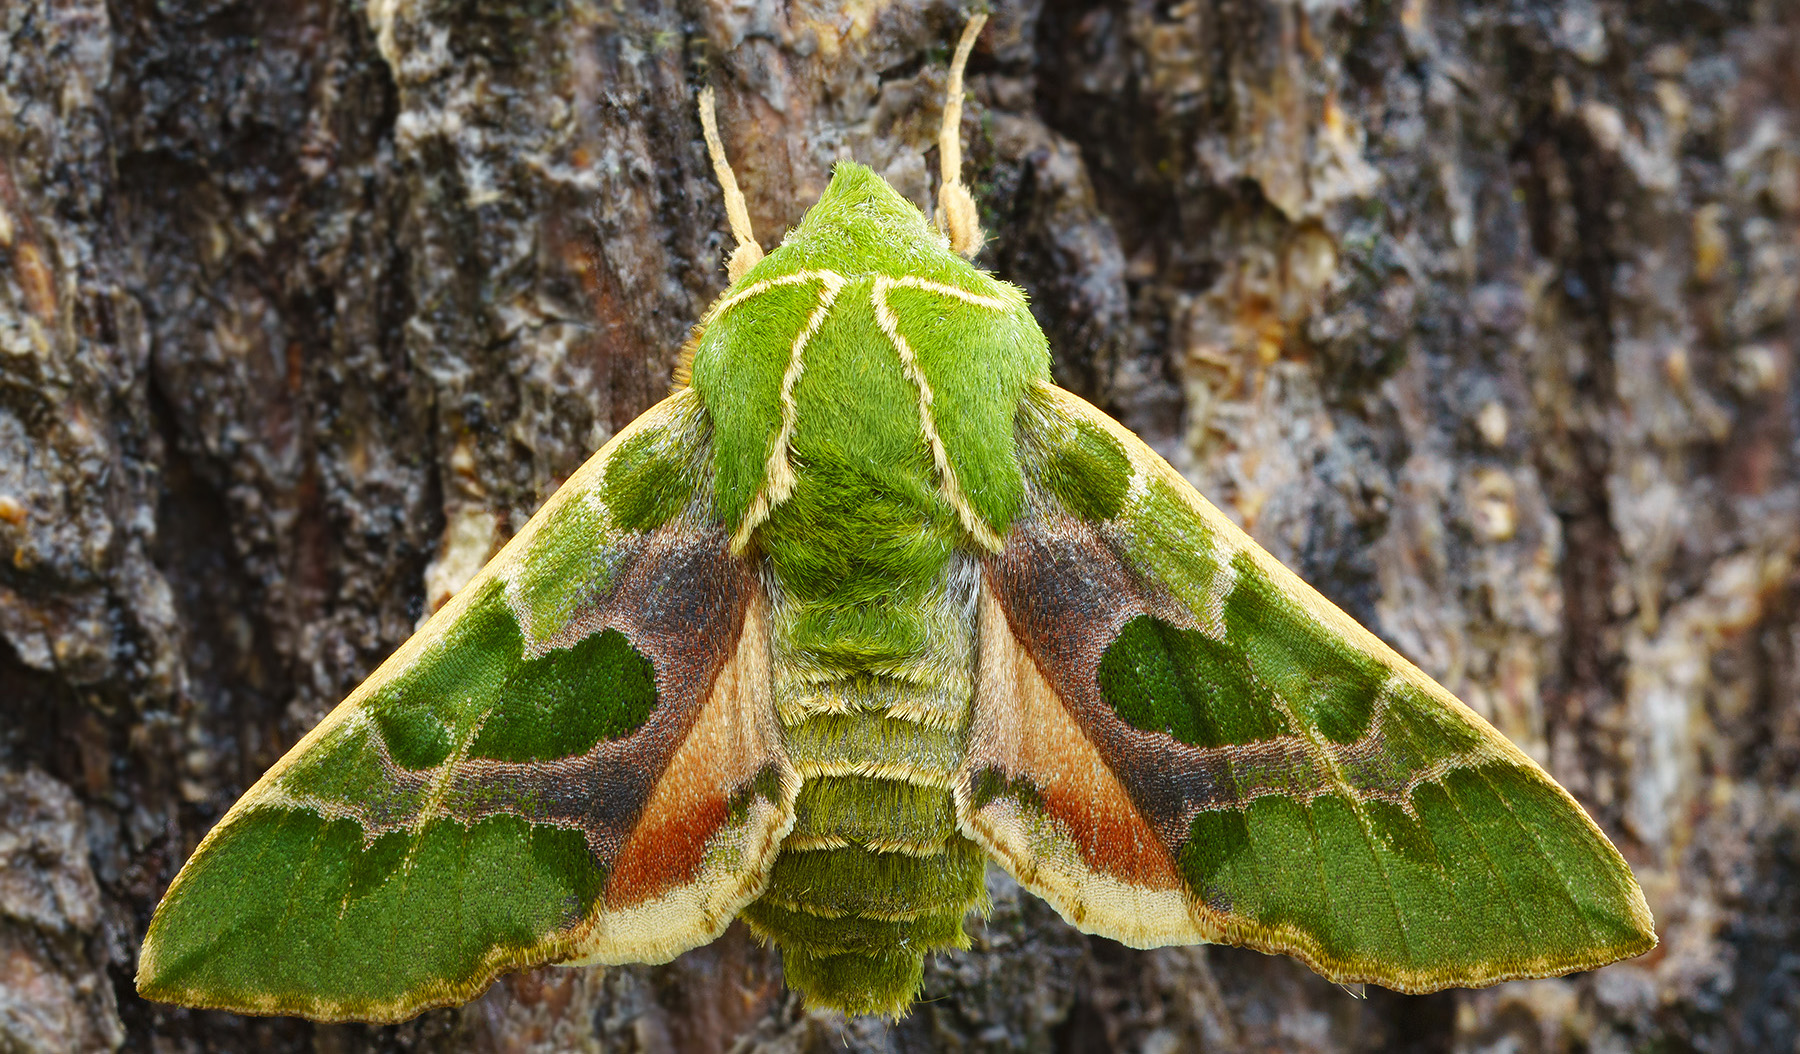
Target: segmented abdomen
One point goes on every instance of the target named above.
(875, 875)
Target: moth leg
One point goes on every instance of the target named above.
(748, 253)
(956, 215)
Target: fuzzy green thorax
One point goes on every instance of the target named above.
(927, 406)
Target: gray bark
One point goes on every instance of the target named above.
(1481, 315)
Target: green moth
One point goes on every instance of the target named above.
(865, 603)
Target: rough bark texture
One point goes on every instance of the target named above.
(1482, 315)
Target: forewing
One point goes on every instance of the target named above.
(1177, 740)
(576, 759)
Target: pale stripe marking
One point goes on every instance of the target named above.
(823, 275)
(927, 285)
(778, 471)
(947, 482)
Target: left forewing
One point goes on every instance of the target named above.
(576, 759)
(1177, 740)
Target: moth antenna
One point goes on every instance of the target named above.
(748, 253)
(956, 214)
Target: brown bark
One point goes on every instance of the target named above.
(1480, 315)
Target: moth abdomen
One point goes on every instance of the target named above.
(864, 889)
(875, 874)
(854, 925)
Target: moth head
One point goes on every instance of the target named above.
(858, 205)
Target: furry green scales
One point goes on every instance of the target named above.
(867, 603)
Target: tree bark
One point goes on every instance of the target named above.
(1480, 315)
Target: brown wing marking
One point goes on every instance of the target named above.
(1037, 795)
(692, 610)
(711, 827)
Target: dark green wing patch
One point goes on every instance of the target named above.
(310, 908)
(1162, 678)
(565, 701)
(422, 712)
(527, 708)
(1332, 684)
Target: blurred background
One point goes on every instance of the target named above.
(1480, 315)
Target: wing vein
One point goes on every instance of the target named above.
(1538, 846)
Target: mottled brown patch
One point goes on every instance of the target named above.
(734, 738)
(1024, 730)
(1065, 593)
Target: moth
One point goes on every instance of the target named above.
(865, 603)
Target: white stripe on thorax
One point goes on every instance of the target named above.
(909, 364)
(778, 471)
